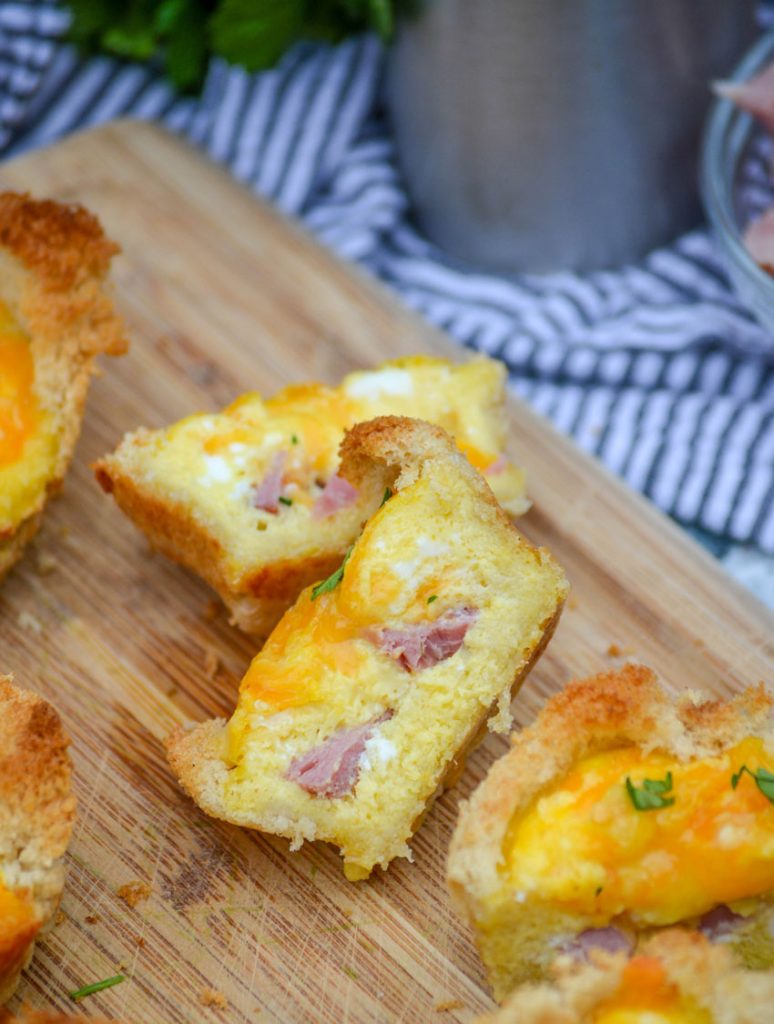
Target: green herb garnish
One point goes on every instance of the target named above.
(97, 986)
(387, 496)
(650, 796)
(294, 438)
(333, 580)
(285, 501)
(433, 597)
(764, 780)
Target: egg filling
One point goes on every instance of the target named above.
(648, 837)
(27, 441)
(18, 926)
(221, 463)
(647, 996)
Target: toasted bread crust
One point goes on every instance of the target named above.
(37, 812)
(53, 263)
(701, 971)
(175, 532)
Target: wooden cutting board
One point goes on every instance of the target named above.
(221, 295)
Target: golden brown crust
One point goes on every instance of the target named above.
(171, 529)
(401, 445)
(54, 259)
(702, 972)
(59, 243)
(37, 810)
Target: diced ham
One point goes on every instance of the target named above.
(499, 465)
(338, 493)
(720, 922)
(756, 96)
(759, 239)
(331, 769)
(606, 940)
(422, 645)
(266, 494)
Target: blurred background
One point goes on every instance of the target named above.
(527, 174)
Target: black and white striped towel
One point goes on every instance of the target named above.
(656, 368)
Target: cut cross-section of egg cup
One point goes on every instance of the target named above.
(249, 498)
(372, 687)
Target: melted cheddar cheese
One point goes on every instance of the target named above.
(605, 858)
(647, 996)
(18, 926)
(26, 441)
(318, 652)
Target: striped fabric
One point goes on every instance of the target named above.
(655, 368)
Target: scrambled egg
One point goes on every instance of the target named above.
(214, 460)
(27, 441)
(18, 925)
(709, 843)
(646, 996)
(317, 652)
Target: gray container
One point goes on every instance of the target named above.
(543, 135)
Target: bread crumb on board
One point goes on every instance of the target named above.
(133, 893)
(45, 563)
(211, 997)
(449, 1004)
(28, 621)
(211, 663)
(92, 918)
(616, 651)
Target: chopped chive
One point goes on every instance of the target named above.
(351, 972)
(764, 780)
(294, 438)
(387, 496)
(650, 796)
(97, 986)
(433, 597)
(333, 580)
(285, 501)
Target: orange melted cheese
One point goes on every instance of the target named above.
(604, 858)
(319, 643)
(18, 926)
(646, 996)
(18, 406)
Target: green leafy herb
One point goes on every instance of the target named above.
(98, 986)
(351, 972)
(294, 438)
(333, 580)
(386, 497)
(433, 597)
(650, 796)
(184, 34)
(285, 501)
(764, 780)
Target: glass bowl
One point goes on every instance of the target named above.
(737, 164)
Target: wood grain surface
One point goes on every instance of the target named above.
(221, 295)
